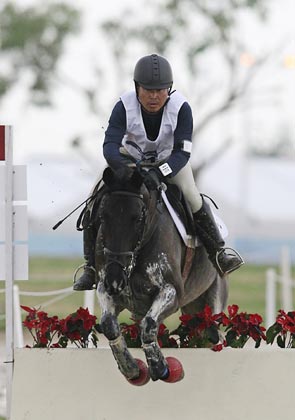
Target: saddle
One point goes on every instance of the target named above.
(181, 213)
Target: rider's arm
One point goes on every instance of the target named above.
(182, 140)
(113, 137)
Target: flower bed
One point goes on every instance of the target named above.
(203, 329)
(51, 332)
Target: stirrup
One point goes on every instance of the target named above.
(233, 253)
(82, 266)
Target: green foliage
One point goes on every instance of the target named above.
(32, 41)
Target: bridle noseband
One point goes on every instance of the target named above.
(115, 258)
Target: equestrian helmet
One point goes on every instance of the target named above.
(153, 72)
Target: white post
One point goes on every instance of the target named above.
(89, 298)
(270, 297)
(286, 279)
(18, 329)
(9, 275)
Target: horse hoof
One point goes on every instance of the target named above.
(176, 372)
(144, 375)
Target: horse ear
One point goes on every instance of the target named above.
(108, 176)
(122, 178)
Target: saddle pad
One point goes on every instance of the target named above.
(189, 240)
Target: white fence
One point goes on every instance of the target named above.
(286, 283)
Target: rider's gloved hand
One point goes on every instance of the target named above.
(153, 178)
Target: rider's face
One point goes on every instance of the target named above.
(153, 99)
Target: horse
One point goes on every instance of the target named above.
(139, 257)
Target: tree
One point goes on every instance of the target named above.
(32, 41)
(202, 35)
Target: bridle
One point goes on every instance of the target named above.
(120, 258)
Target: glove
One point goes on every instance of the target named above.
(153, 178)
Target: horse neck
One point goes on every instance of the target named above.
(151, 201)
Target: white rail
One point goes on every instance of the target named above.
(287, 284)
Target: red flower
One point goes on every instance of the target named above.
(75, 327)
(28, 309)
(217, 347)
(185, 318)
(162, 330)
(88, 320)
(132, 330)
(30, 323)
(287, 321)
(232, 310)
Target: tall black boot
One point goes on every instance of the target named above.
(87, 280)
(225, 260)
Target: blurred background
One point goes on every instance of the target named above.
(64, 64)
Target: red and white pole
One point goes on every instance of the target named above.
(6, 156)
(2, 142)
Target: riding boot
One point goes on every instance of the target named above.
(208, 231)
(87, 280)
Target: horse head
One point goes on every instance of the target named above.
(122, 214)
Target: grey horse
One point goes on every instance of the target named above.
(140, 260)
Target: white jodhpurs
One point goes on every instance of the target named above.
(185, 181)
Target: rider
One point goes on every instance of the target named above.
(158, 121)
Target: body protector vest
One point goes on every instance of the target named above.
(162, 147)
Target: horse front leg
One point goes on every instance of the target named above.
(111, 329)
(164, 305)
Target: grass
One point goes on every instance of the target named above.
(246, 288)
(47, 274)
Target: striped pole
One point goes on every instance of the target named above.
(2, 142)
(6, 156)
